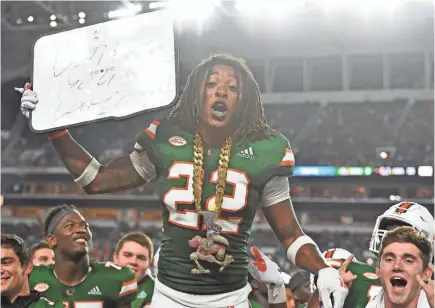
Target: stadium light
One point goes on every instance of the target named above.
(157, 5)
(82, 15)
(192, 9)
(395, 198)
(53, 23)
(53, 17)
(81, 21)
(30, 18)
(129, 10)
(273, 8)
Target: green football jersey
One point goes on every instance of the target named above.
(106, 285)
(255, 304)
(145, 289)
(363, 288)
(251, 165)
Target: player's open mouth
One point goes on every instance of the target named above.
(219, 110)
(398, 283)
(81, 240)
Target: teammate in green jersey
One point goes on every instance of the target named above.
(364, 281)
(73, 279)
(216, 161)
(135, 250)
(16, 265)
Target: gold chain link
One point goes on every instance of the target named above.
(198, 172)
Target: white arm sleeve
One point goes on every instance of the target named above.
(142, 164)
(276, 190)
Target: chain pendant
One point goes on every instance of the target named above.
(211, 248)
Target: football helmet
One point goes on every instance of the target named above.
(335, 256)
(402, 214)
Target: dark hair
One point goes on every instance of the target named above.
(137, 237)
(189, 107)
(40, 245)
(298, 280)
(19, 246)
(53, 211)
(406, 234)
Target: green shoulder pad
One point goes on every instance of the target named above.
(276, 156)
(148, 137)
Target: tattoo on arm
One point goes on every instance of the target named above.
(283, 222)
(282, 219)
(287, 231)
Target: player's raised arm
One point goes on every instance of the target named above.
(119, 174)
(301, 249)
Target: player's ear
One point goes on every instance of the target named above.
(377, 269)
(28, 268)
(51, 240)
(427, 274)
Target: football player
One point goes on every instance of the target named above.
(42, 254)
(299, 286)
(16, 265)
(135, 250)
(73, 279)
(362, 280)
(216, 160)
(403, 268)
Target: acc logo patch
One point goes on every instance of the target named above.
(371, 275)
(177, 141)
(41, 287)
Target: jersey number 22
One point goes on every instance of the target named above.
(190, 218)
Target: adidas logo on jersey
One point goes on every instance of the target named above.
(94, 291)
(142, 295)
(247, 153)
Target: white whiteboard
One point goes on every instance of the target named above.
(110, 70)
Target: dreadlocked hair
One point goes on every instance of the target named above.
(52, 212)
(189, 107)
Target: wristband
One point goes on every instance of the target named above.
(57, 134)
(89, 174)
(296, 245)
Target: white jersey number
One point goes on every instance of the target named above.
(189, 218)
